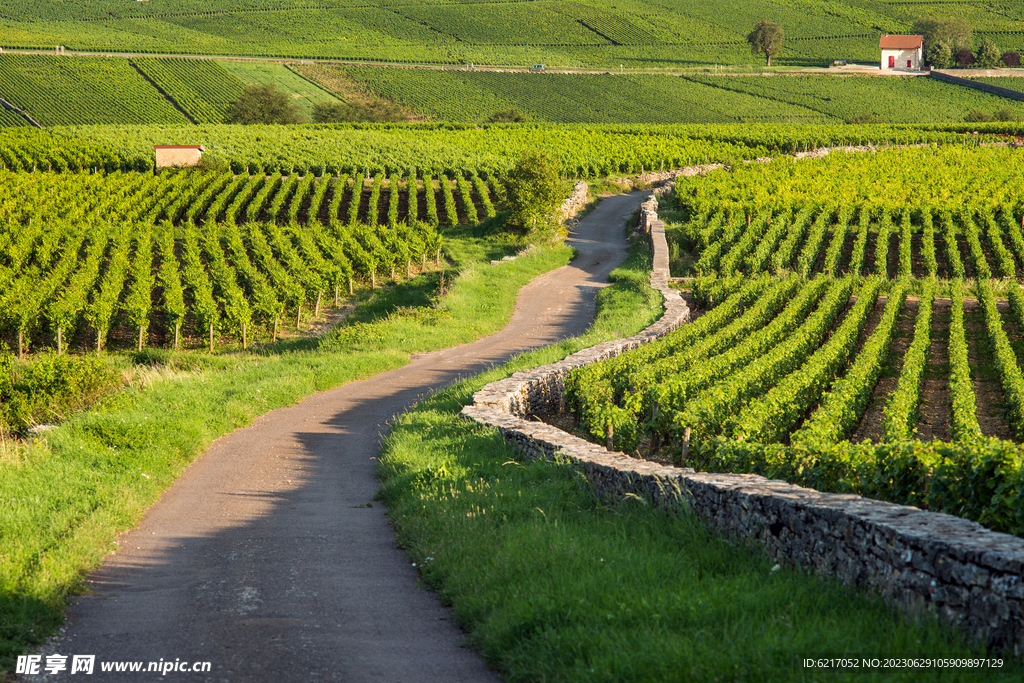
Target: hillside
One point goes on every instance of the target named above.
(599, 33)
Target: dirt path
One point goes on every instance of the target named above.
(870, 425)
(269, 558)
(933, 412)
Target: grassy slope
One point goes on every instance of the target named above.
(67, 496)
(554, 584)
(305, 93)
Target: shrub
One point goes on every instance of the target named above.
(49, 388)
(263, 104)
(507, 116)
(964, 57)
(378, 111)
(1011, 59)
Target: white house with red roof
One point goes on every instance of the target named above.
(901, 53)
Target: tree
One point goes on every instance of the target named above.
(988, 55)
(1011, 59)
(377, 111)
(956, 33)
(263, 104)
(766, 38)
(940, 55)
(534, 191)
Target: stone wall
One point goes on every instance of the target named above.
(918, 560)
(576, 201)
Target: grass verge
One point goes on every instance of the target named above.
(65, 495)
(555, 584)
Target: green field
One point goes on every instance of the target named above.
(584, 150)
(97, 251)
(612, 97)
(1008, 82)
(854, 341)
(891, 99)
(303, 92)
(201, 88)
(10, 119)
(564, 98)
(70, 90)
(181, 90)
(82, 90)
(601, 33)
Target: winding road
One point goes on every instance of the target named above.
(267, 558)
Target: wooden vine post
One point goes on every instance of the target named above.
(654, 431)
(686, 447)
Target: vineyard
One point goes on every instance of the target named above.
(861, 332)
(565, 98)
(597, 33)
(894, 100)
(202, 89)
(94, 90)
(179, 258)
(585, 151)
(70, 90)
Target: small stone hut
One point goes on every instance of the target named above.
(177, 155)
(901, 53)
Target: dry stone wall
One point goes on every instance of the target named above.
(918, 560)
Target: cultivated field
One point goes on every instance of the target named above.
(862, 329)
(596, 33)
(96, 250)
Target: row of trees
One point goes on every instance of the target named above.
(947, 42)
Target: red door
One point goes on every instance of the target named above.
(892, 61)
(908, 64)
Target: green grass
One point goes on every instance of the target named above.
(66, 495)
(555, 584)
(303, 92)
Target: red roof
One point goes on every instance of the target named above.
(900, 42)
(179, 147)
